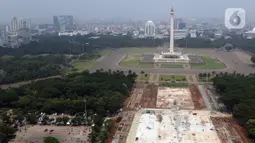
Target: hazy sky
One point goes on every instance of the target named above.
(125, 9)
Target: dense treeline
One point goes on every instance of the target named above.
(235, 41)
(201, 43)
(51, 44)
(238, 93)
(16, 69)
(104, 92)
(119, 41)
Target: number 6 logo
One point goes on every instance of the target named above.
(235, 18)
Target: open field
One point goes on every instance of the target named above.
(174, 98)
(134, 60)
(83, 65)
(166, 125)
(229, 131)
(228, 58)
(175, 77)
(66, 134)
(172, 66)
(209, 63)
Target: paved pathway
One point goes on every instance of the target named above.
(232, 62)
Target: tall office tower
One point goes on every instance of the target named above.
(14, 27)
(25, 24)
(66, 21)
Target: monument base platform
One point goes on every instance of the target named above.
(158, 58)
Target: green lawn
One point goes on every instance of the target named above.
(171, 66)
(171, 84)
(83, 65)
(143, 77)
(172, 77)
(105, 52)
(210, 63)
(138, 48)
(205, 79)
(5, 57)
(134, 61)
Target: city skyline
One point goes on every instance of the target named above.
(113, 9)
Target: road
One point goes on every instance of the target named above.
(232, 62)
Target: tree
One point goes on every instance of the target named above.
(253, 59)
(50, 139)
(6, 132)
(31, 118)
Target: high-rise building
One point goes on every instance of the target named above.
(25, 24)
(182, 25)
(149, 29)
(14, 27)
(63, 21)
(179, 24)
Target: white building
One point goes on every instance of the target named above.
(14, 26)
(250, 34)
(218, 34)
(73, 33)
(193, 33)
(149, 29)
(180, 34)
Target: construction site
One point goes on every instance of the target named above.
(172, 126)
(157, 114)
(174, 98)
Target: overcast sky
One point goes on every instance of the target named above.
(125, 9)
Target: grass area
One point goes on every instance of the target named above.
(205, 79)
(105, 52)
(171, 84)
(175, 77)
(6, 57)
(143, 77)
(34, 56)
(134, 61)
(171, 65)
(138, 48)
(83, 65)
(209, 63)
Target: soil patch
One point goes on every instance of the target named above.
(229, 131)
(149, 97)
(196, 98)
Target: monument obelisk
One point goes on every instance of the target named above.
(171, 48)
(171, 56)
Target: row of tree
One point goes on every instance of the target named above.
(18, 69)
(237, 93)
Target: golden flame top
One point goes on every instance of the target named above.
(172, 9)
